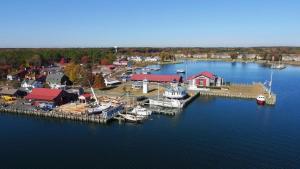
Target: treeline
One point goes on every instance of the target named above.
(44, 57)
(197, 50)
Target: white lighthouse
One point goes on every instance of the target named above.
(145, 86)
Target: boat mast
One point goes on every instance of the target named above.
(97, 102)
(157, 91)
(270, 84)
(186, 70)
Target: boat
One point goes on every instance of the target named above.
(175, 91)
(141, 111)
(180, 71)
(155, 68)
(261, 100)
(146, 71)
(112, 111)
(278, 66)
(132, 118)
(164, 102)
(97, 108)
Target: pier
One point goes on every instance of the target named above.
(97, 118)
(242, 91)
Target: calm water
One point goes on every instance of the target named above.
(209, 133)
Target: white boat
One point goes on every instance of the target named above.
(278, 66)
(98, 108)
(164, 102)
(261, 100)
(141, 111)
(155, 68)
(180, 71)
(132, 118)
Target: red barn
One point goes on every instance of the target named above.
(204, 79)
(55, 96)
(156, 78)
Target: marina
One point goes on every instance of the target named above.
(211, 114)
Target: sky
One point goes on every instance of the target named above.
(149, 23)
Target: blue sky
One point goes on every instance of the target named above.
(153, 23)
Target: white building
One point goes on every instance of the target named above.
(152, 59)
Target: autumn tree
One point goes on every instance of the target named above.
(233, 56)
(99, 82)
(84, 59)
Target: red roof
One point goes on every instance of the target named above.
(44, 94)
(111, 66)
(206, 74)
(86, 95)
(156, 78)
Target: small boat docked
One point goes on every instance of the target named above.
(132, 118)
(180, 71)
(141, 111)
(164, 102)
(261, 100)
(278, 66)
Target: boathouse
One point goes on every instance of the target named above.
(45, 95)
(156, 78)
(204, 80)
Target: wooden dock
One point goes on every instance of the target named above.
(97, 118)
(242, 91)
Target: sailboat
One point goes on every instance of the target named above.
(261, 99)
(97, 108)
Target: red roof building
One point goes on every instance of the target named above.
(206, 74)
(48, 95)
(204, 80)
(156, 78)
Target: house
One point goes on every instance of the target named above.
(204, 80)
(156, 78)
(17, 75)
(247, 56)
(135, 58)
(58, 80)
(291, 57)
(200, 56)
(28, 85)
(84, 98)
(45, 95)
(6, 91)
(152, 59)
(121, 63)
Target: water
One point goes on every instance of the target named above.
(209, 133)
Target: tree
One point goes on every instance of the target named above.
(104, 62)
(234, 56)
(35, 60)
(99, 82)
(84, 59)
